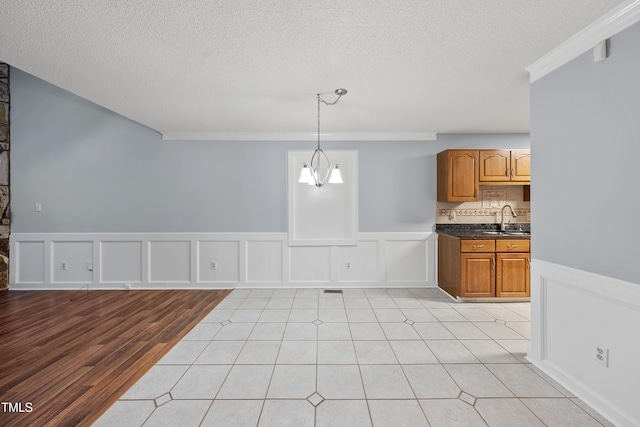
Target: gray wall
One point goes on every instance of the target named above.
(95, 171)
(585, 145)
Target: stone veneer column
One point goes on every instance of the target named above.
(5, 211)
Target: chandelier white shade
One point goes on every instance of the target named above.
(336, 176)
(305, 174)
(312, 172)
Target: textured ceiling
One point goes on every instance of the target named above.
(250, 69)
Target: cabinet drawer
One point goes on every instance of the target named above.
(479, 245)
(519, 245)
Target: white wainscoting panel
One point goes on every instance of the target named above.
(120, 262)
(32, 269)
(169, 262)
(77, 256)
(225, 255)
(359, 264)
(323, 216)
(249, 260)
(264, 262)
(406, 261)
(573, 312)
(310, 264)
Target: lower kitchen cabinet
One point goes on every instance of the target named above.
(481, 268)
(512, 275)
(477, 273)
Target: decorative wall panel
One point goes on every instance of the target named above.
(72, 262)
(121, 262)
(594, 311)
(32, 269)
(218, 262)
(360, 263)
(264, 262)
(323, 216)
(309, 264)
(169, 262)
(184, 261)
(406, 261)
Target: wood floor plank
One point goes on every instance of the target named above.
(74, 353)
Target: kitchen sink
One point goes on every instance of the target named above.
(507, 233)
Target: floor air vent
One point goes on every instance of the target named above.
(333, 291)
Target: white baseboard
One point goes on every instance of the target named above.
(242, 260)
(573, 312)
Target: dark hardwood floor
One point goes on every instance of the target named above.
(71, 354)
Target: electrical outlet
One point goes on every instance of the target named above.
(89, 266)
(127, 286)
(348, 266)
(38, 207)
(214, 265)
(602, 355)
(64, 265)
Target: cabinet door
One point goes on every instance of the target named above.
(477, 275)
(512, 276)
(458, 176)
(520, 165)
(495, 165)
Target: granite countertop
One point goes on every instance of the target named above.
(485, 231)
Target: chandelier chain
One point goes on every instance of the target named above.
(339, 92)
(319, 99)
(311, 172)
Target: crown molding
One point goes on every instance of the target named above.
(300, 136)
(623, 16)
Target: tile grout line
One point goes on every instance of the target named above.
(465, 343)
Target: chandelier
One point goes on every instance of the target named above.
(312, 172)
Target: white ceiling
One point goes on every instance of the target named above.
(250, 69)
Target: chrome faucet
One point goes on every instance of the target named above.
(502, 227)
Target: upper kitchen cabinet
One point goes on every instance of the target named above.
(458, 172)
(505, 166)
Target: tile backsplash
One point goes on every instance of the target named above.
(488, 208)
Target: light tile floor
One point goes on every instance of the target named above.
(366, 357)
